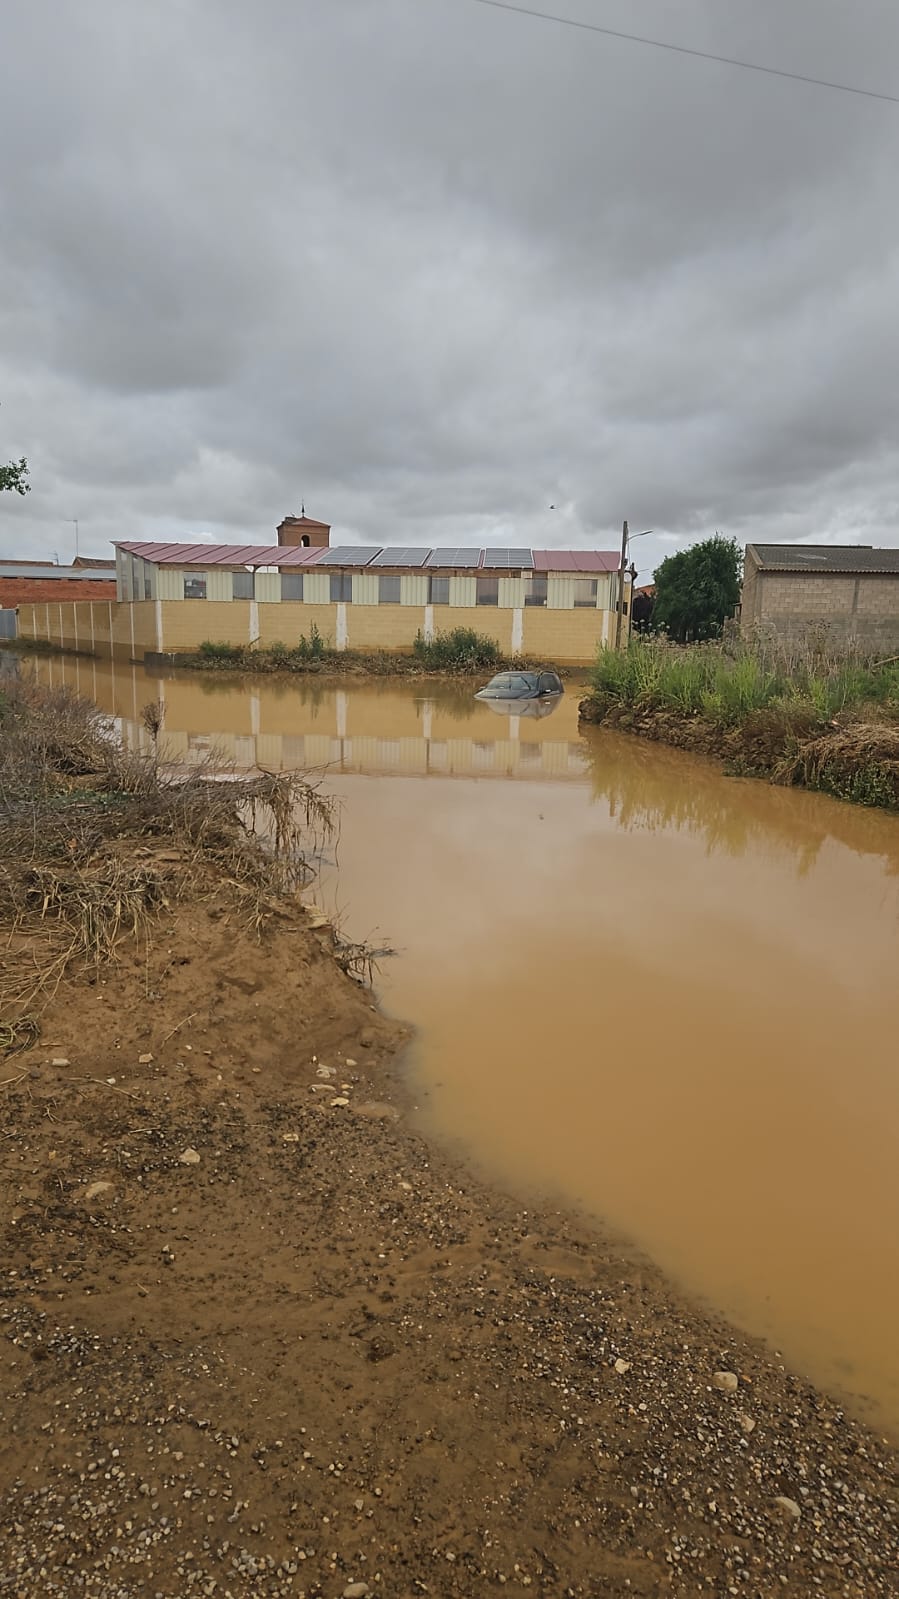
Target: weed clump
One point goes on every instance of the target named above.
(460, 650)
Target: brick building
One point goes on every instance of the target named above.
(830, 594)
(27, 582)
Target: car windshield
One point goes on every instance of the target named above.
(511, 685)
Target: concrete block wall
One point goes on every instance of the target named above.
(133, 629)
(836, 609)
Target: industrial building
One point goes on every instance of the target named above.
(556, 604)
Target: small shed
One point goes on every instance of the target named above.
(838, 595)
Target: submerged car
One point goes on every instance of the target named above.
(508, 686)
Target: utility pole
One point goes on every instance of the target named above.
(75, 523)
(630, 613)
(621, 587)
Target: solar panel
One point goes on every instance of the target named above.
(504, 560)
(401, 555)
(349, 555)
(460, 556)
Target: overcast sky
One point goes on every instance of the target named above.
(435, 268)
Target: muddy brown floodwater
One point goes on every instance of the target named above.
(638, 986)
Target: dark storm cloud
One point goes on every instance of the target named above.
(436, 267)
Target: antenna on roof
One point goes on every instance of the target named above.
(302, 508)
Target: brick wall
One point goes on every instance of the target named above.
(835, 608)
(31, 590)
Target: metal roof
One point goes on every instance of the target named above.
(576, 561)
(459, 557)
(850, 559)
(221, 554)
(81, 574)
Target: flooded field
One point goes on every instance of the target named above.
(640, 986)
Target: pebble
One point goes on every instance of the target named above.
(746, 1422)
(144, 1060)
(621, 1366)
(356, 1590)
(340, 1100)
(727, 1381)
(60, 1060)
(787, 1508)
(190, 1157)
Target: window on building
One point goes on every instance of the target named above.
(291, 585)
(535, 589)
(488, 590)
(244, 586)
(341, 588)
(585, 591)
(438, 590)
(195, 587)
(388, 589)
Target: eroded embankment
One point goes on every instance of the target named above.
(853, 760)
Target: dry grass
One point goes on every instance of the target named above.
(95, 842)
(859, 763)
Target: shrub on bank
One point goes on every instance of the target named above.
(820, 722)
(462, 649)
(726, 689)
(226, 653)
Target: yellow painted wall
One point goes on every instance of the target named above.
(391, 627)
(186, 623)
(569, 637)
(285, 623)
(487, 619)
(129, 630)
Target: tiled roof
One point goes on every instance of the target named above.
(851, 559)
(573, 561)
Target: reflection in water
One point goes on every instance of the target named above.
(537, 709)
(659, 992)
(414, 726)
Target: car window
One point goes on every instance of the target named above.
(513, 685)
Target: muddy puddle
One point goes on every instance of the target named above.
(639, 986)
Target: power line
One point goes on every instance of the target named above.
(684, 50)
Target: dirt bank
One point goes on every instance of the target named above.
(852, 759)
(260, 1339)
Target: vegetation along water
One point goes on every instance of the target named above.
(796, 717)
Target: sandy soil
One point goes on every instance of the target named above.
(259, 1338)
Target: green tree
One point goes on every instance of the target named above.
(697, 589)
(12, 477)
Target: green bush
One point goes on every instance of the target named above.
(220, 652)
(313, 648)
(460, 650)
